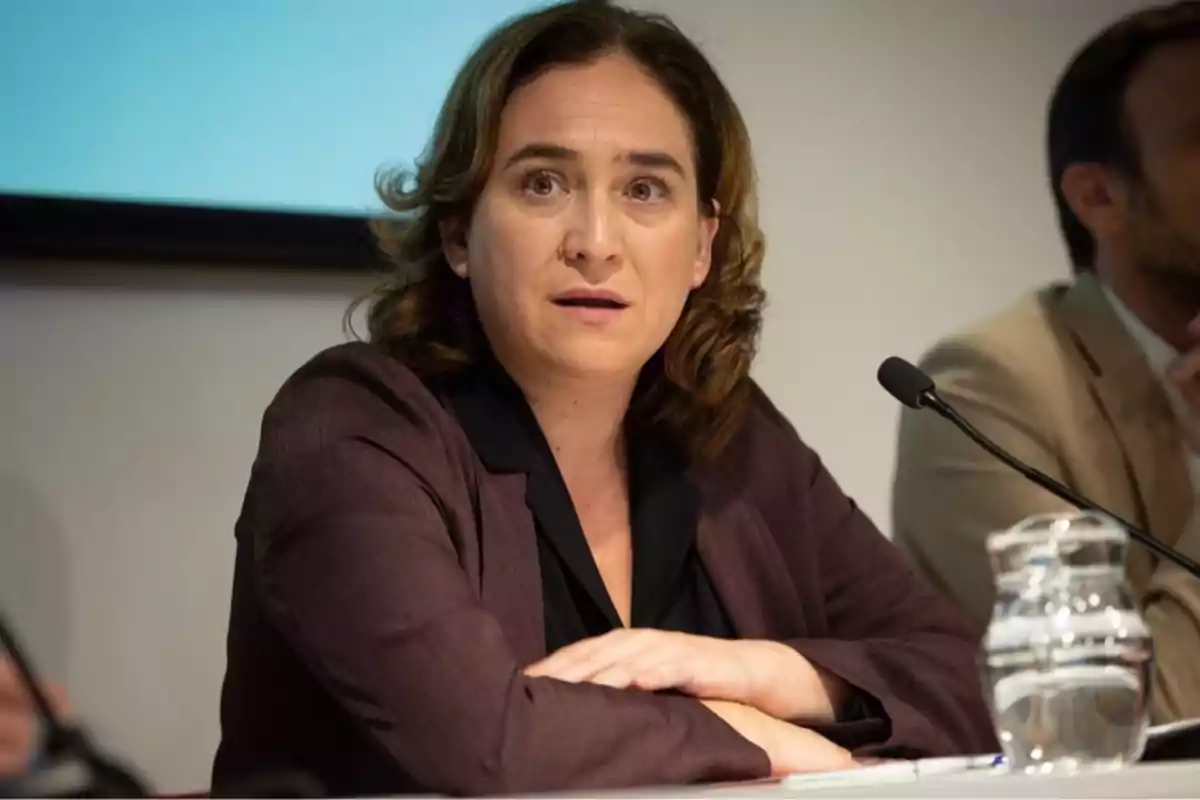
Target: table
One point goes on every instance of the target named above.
(1178, 779)
(1171, 779)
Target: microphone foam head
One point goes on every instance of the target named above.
(903, 381)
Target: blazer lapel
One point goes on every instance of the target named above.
(509, 571)
(509, 564)
(1137, 406)
(745, 566)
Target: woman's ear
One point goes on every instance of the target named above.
(454, 245)
(709, 223)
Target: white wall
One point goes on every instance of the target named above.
(899, 146)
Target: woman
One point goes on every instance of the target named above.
(543, 532)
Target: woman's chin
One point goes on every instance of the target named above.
(597, 361)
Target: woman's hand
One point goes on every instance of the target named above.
(18, 719)
(789, 747)
(768, 676)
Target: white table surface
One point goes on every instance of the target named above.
(1173, 779)
(1176, 779)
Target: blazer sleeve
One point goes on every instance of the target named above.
(909, 654)
(948, 494)
(1172, 610)
(357, 569)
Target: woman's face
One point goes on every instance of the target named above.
(588, 236)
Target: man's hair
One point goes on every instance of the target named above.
(1088, 123)
(697, 387)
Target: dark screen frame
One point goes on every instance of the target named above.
(43, 228)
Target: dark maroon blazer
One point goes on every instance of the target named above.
(386, 598)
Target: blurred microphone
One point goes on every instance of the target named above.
(912, 387)
(70, 765)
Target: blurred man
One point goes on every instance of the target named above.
(1096, 382)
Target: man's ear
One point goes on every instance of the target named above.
(454, 245)
(1096, 196)
(709, 224)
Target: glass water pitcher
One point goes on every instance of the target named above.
(1067, 656)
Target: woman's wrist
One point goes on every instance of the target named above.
(790, 748)
(786, 685)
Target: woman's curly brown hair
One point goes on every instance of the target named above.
(697, 388)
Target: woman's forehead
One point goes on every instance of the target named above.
(604, 109)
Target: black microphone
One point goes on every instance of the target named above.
(70, 765)
(912, 387)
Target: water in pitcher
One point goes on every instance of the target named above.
(1067, 655)
(1071, 706)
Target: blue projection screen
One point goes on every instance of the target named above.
(269, 107)
(264, 104)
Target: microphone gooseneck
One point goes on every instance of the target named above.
(71, 766)
(914, 388)
(45, 712)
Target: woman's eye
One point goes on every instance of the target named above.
(541, 184)
(648, 191)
